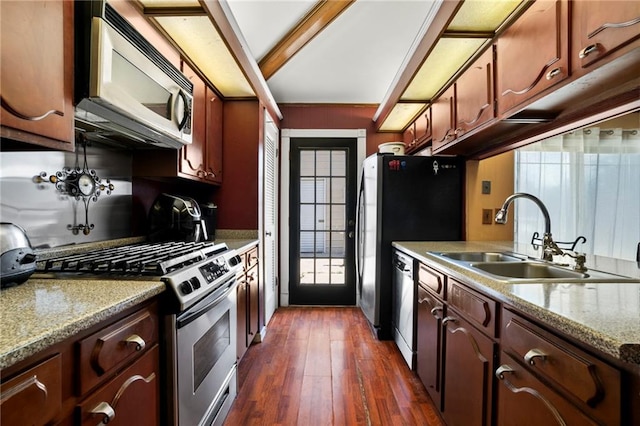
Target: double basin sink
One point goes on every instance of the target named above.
(519, 269)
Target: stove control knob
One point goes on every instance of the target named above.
(186, 288)
(195, 283)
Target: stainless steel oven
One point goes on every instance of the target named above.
(200, 317)
(202, 345)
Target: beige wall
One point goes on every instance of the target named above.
(499, 171)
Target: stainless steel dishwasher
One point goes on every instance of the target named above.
(404, 303)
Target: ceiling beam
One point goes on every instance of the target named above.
(432, 32)
(316, 20)
(222, 18)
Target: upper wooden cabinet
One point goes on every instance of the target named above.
(202, 159)
(37, 72)
(213, 149)
(443, 117)
(192, 156)
(419, 132)
(475, 98)
(532, 55)
(602, 27)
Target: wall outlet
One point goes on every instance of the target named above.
(486, 187)
(487, 219)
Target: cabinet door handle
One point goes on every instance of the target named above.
(553, 73)
(18, 114)
(137, 340)
(504, 368)
(448, 320)
(588, 50)
(614, 25)
(435, 310)
(104, 409)
(530, 357)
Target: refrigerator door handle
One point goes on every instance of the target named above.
(359, 235)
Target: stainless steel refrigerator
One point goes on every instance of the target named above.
(401, 198)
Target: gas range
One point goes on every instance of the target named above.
(191, 270)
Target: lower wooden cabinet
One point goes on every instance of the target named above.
(248, 301)
(468, 373)
(525, 400)
(483, 363)
(131, 398)
(109, 373)
(430, 312)
(33, 397)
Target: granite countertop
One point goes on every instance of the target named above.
(605, 316)
(44, 311)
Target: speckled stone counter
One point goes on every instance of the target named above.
(42, 312)
(605, 316)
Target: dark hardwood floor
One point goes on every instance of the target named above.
(323, 366)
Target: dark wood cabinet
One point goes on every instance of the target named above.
(525, 400)
(192, 156)
(130, 398)
(110, 371)
(541, 37)
(33, 397)
(248, 301)
(468, 373)
(430, 312)
(592, 387)
(36, 90)
(475, 97)
(600, 28)
(443, 119)
(201, 160)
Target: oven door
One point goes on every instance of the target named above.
(206, 358)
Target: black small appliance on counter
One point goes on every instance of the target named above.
(176, 218)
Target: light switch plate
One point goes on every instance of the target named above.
(487, 219)
(486, 187)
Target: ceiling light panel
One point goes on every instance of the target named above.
(400, 115)
(482, 16)
(200, 41)
(446, 58)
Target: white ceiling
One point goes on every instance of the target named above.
(354, 60)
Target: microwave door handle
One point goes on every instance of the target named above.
(187, 110)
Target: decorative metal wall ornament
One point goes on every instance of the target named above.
(83, 184)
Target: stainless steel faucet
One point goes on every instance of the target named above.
(549, 247)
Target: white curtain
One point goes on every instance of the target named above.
(589, 181)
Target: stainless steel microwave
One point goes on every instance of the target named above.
(125, 90)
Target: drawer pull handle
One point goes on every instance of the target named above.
(588, 50)
(31, 381)
(137, 340)
(18, 114)
(500, 374)
(435, 310)
(504, 368)
(530, 357)
(554, 72)
(448, 320)
(105, 409)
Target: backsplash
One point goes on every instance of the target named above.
(46, 214)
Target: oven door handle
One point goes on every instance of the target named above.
(205, 305)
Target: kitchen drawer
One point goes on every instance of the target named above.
(590, 382)
(524, 400)
(432, 280)
(33, 397)
(131, 398)
(479, 309)
(112, 347)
